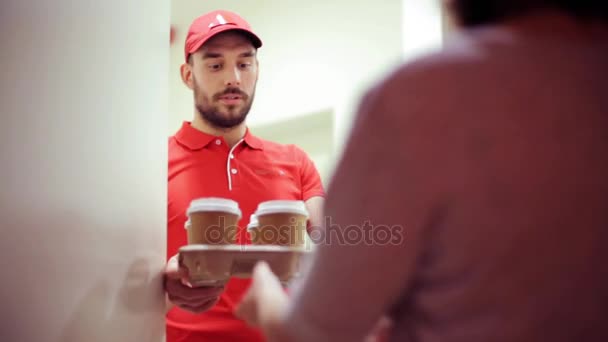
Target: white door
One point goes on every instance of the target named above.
(83, 122)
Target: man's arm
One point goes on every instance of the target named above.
(314, 205)
(313, 193)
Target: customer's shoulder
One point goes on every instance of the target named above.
(462, 64)
(459, 53)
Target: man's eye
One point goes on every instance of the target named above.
(214, 66)
(245, 65)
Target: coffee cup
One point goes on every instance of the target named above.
(212, 221)
(280, 222)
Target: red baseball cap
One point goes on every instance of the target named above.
(212, 23)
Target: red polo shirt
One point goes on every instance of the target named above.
(253, 171)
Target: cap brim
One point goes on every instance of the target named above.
(255, 40)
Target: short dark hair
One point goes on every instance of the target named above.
(480, 12)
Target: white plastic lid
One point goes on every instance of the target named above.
(214, 204)
(253, 221)
(282, 206)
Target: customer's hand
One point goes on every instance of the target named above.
(381, 332)
(193, 299)
(265, 302)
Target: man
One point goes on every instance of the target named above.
(216, 155)
(494, 161)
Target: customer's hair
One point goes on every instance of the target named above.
(480, 12)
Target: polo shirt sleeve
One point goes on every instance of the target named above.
(309, 177)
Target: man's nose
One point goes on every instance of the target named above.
(233, 77)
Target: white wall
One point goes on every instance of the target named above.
(420, 30)
(423, 27)
(83, 169)
(317, 55)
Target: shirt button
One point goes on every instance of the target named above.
(218, 142)
(233, 171)
(232, 156)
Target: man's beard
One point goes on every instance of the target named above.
(212, 115)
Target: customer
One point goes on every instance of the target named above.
(493, 157)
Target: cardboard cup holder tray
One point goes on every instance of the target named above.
(214, 265)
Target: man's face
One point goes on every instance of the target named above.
(224, 74)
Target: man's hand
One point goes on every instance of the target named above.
(193, 299)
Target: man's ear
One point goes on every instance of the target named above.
(186, 72)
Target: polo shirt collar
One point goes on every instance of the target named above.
(253, 141)
(196, 140)
(192, 138)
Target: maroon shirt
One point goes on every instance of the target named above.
(492, 155)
